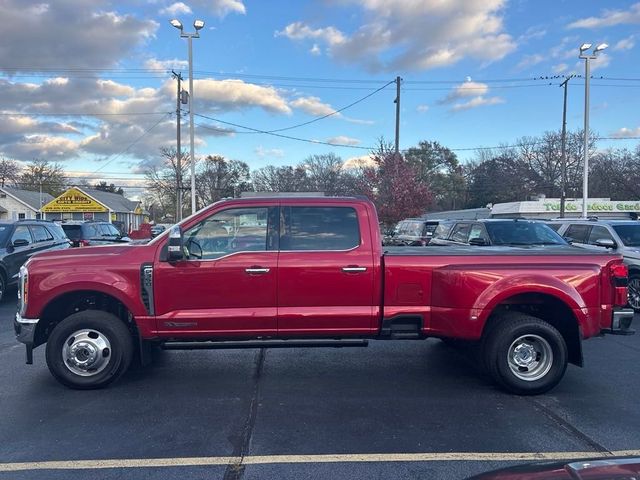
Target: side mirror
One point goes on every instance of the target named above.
(568, 239)
(175, 250)
(20, 242)
(480, 242)
(606, 243)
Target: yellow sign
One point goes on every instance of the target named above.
(73, 200)
(138, 210)
(113, 217)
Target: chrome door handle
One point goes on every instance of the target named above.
(354, 269)
(253, 270)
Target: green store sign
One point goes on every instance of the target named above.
(594, 207)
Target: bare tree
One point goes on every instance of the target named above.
(9, 172)
(219, 178)
(43, 174)
(161, 182)
(280, 179)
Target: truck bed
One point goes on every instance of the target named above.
(467, 251)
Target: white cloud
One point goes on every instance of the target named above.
(422, 108)
(220, 8)
(44, 146)
(74, 32)
(343, 140)
(313, 106)
(175, 9)
(601, 61)
(477, 102)
(414, 35)
(357, 121)
(315, 50)
(235, 95)
(362, 161)
(466, 89)
(530, 61)
(625, 44)
(174, 63)
(610, 18)
(262, 152)
(625, 132)
(559, 68)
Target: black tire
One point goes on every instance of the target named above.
(536, 338)
(107, 326)
(634, 291)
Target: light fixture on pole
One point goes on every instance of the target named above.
(197, 25)
(587, 74)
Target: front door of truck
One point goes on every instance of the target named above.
(226, 284)
(325, 271)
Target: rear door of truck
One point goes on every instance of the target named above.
(325, 270)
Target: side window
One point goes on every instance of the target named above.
(477, 231)
(229, 231)
(578, 232)
(320, 228)
(40, 234)
(442, 231)
(22, 233)
(91, 231)
(599, 233)
(554, 226)
(460, 232)
(402, 228)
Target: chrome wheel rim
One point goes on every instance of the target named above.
(86, 352)
(634, 293)
(530, 357)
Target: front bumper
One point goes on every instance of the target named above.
(621, 322)
(25, 329)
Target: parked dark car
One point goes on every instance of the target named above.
(20, 240)
(497, 232)
(412, 232)
(157, 230)
(87, 234)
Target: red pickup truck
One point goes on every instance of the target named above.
(277, 272)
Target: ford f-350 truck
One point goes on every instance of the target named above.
(265, 272)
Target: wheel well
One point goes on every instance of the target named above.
(64, 305)
(548, 308)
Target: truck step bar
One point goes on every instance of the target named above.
(263, 344)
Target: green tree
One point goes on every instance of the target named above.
(106, 187)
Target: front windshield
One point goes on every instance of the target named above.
(629, 234)
(517, 233)
(4, 232)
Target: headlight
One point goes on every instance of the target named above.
(23, 290)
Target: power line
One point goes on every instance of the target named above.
(134, 142)
(79, 114)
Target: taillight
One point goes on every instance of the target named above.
(620, 279)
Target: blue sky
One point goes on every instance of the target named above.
(470, 72)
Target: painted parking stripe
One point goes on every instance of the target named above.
(325, 458)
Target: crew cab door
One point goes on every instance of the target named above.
(226, 284)
(325, 270)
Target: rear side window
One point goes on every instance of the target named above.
(320, 228)
(578, 233)
(91, 231)
(414, 229)
(461, 232)
(74, 232)
(40, 234)
(56, 231)
(442, 230)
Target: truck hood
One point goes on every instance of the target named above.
(87, 251)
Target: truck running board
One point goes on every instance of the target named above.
(263, 344)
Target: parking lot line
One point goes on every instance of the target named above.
(321, 458)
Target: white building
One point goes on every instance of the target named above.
(550, 208)
(16, 204)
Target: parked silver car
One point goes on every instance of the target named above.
(621, 236)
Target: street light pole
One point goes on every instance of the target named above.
(587, 74)
(198, 25)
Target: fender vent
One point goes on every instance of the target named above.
(146, 287)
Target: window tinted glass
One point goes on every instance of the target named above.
(461, 232)
(599, 233)
(554, 226)
(578, 233)
(90, 230)
(442, 230)
(40, 234)
(56, 231)
(22, 233)
(320, 228)
(229, 231)
(74, 232)
(429, 229)
(477, 231)
(522, 233)
(414, 229)
(629, 234)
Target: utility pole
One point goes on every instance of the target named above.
(178, 77)
(397, 102)
(563, 188)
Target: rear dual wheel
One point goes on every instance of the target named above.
(524, 354)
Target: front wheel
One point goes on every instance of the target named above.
(634, 292)
(524, 354)
(89, 349)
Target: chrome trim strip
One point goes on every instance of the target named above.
(256, 270)
(26, 321)
(354, 269)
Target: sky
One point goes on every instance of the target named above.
(89, 84)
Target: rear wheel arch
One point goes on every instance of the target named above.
(547, 307)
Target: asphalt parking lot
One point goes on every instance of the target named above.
(400, 410)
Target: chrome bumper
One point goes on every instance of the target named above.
(25, 329)
(621, 322)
